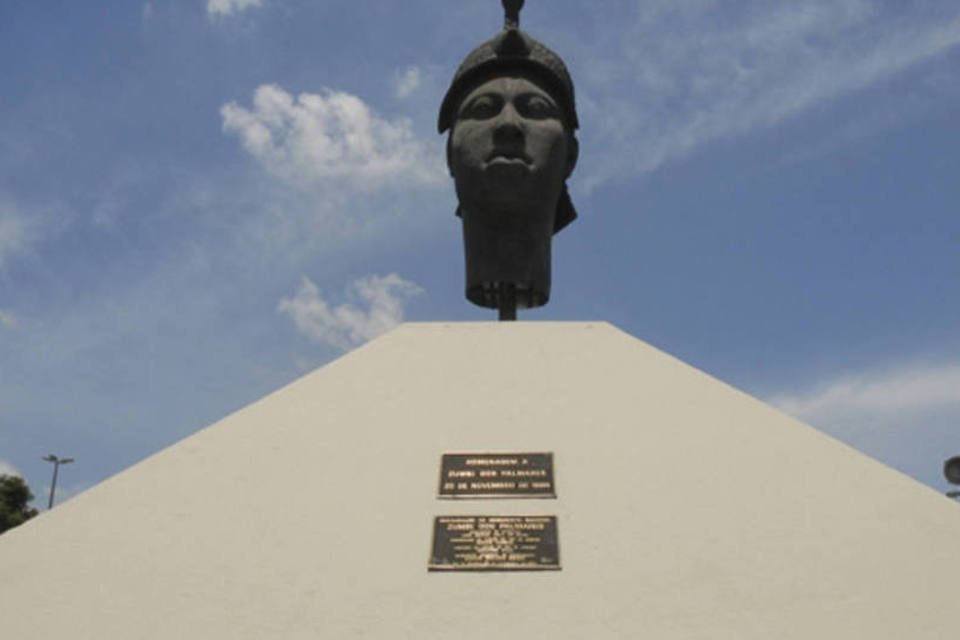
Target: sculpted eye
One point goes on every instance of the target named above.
(481, 107)
(537, 106)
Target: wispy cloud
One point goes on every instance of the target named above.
(226, 7)
(374, 305)
(331, 137)
(18, 231)
(7, 469)
(690, 72)
(407, 81)
(13, 236)
(8, 320)
(905, 415)
(889, 398)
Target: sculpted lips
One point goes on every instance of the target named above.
(503, 156)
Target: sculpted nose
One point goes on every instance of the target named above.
(508, 128)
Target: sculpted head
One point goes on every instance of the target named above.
(512, 120)
(510, 151)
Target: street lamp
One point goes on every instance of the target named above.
(56, 467)
(951, 471)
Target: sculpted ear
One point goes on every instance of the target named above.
(573, 153)
(450, 153)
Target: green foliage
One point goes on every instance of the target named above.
(14, 497)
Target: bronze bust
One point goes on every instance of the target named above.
(512, 119)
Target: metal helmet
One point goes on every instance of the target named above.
(515, 50)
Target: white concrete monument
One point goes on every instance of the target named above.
(683, 509)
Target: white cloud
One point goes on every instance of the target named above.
(691, 72)
(331, 138)
(17, 233)
(875, 400)
(375, 306)
(907, 415)
(226, 7)
(146, 11)
(407, 81)
(7, 469)
(22, 228)
(8, 320)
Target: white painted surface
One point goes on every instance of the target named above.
(686, 510)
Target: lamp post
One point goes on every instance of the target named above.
(56, 467)
(951, 471)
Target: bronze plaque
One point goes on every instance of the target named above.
(497, 475)
(495, 543)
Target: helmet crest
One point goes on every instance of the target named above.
(511, 50)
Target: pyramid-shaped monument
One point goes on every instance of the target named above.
(683, 509)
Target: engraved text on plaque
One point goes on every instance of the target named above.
(495, 543)
(497, 475)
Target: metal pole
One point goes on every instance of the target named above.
(507, 300)
(53, 485)
(57, 461)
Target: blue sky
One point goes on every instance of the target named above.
(201, 200)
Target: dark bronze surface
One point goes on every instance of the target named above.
(497, 475)
(510, 50)
(511, 9)
(512, 118)
(951, 470)
(495, 543)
